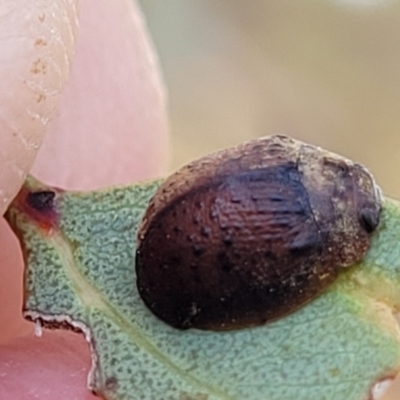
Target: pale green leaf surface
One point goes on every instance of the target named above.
(80, 271)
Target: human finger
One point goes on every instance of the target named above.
(37, 40)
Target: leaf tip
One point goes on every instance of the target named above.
(38, 203)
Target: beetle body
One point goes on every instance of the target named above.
(251, 233)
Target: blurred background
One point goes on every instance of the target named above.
(324, 71)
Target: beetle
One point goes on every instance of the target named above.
(249, 234)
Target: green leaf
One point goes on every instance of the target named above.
(79, 250)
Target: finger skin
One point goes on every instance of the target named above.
(115, 132)
(56, 369)
(85, 148)
(37, 40)
(11, 275)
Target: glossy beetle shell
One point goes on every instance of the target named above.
(249, 234)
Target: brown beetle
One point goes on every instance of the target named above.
(249, 234)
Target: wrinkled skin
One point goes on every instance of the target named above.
(113, 102)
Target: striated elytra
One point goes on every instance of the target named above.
(249, 234)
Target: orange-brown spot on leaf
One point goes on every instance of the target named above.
(39, 205)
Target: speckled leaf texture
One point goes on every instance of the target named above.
(79, 251)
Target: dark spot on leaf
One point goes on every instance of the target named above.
(41, 201)
(111, 383)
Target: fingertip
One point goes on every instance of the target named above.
(111, 127)
(37, 40)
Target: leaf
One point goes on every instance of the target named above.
(79, 251)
